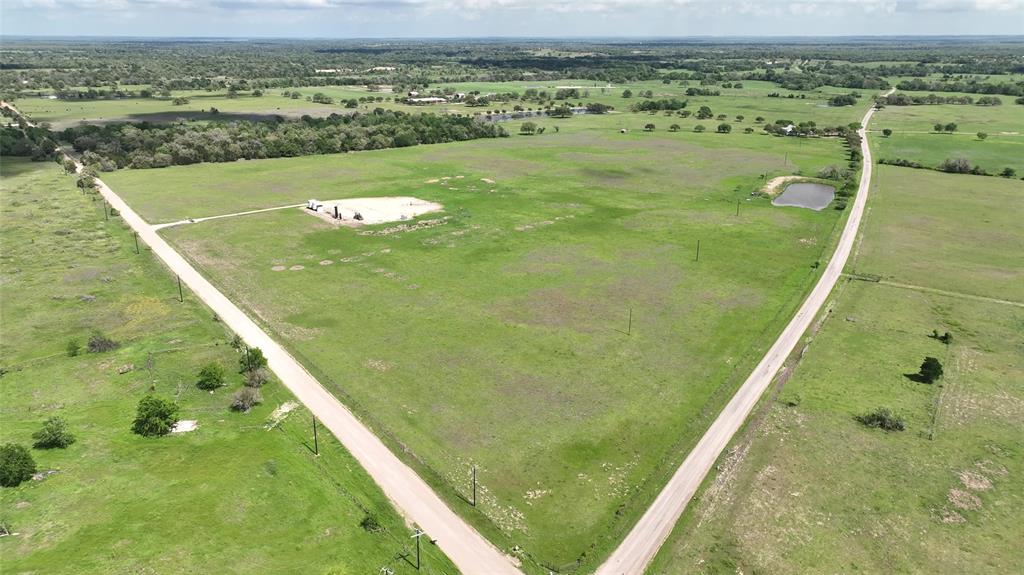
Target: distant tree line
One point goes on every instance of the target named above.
(145, 145)
(957, 165)
(971, 85)
(901, 99)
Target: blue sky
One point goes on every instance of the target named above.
(474, 18)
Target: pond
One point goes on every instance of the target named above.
(806, 195)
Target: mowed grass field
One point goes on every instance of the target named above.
(914, 138)
(501, 338)
(807, 489)
(230, 497)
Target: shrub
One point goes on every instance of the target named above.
(245, 399)
(724, 128)
(832, 172)
(649, 127)
(99, 343)
(210, 377)
(699, 128)
(155, 417)
(16, 465)
(53, 434)
(887, 132)
(882, 418)
(1008, 173)
(251, 359)
(73, 348)
(257, 377)
(931, 370)
(955, 165)
(371, 524)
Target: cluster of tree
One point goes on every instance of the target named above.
(901, 99)
(844, 99)
(958, 165)
(26, 141)
(657, 105)
(145, 145)
(701, 92)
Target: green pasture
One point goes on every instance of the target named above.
(230, 497)
(502, 337)
(807, 489)
(699, 161)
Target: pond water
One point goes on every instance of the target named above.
(806, 195)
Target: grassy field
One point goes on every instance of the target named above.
(230, 497)
(749, 101)
(501, 338)
(807, 489)
(605, 157)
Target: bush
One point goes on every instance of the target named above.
(832, 172)
(370, 523)
(99, 343)
(257, 377)
(155, 417)
(73, 348)
(724, 128)
(955, 165)
(245, 399)
(210, 377)
(53, 434)
(16, 465)
(699, 128)
(882, 418)
(252, 358)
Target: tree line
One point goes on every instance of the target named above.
(145, 145)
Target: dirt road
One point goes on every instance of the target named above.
(639, 547)
(414, 499)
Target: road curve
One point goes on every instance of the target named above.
(641, 544)
(466, 548)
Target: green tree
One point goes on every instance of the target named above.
(982, 135)
(937, 127)
(1008, 173)
(528, 128)
(211, 376)
(949, 128)
(252, 359)
(53, 434)
(627, 93)
(648, 127)
(16, 465)
(724, 128)
(887, 132)
(705, 113)
(931, 370)
(155, 417)
(699, 128)
(674, 128)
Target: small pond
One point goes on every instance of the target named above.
(806, 195)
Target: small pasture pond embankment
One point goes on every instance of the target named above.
(808, 195)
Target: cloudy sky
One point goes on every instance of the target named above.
(465, 18)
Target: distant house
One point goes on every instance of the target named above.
(413, 93)
(382, 69)
(788, 129)
(459, 96)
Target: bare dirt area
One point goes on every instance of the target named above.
(356, 212)
(774, 185)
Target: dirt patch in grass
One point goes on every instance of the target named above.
(975, 481)
(963, 499)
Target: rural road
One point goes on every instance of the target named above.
(415, 500)
(641, 544)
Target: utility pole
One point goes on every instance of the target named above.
(629, 326)
(697, 259)
(419, 533)
(106, 211)
(181, 296)
(737, 207)
(474, 486)
(316, 443)
(136, 235)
